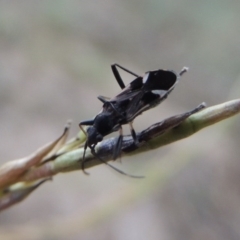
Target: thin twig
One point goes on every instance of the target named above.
(20, 177)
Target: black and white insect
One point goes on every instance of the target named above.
(140, 95)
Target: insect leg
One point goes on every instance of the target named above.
(83, 159)
(117, 75)
(125, 69)
(133, 134)
(81, 127)
(118, 145)
(87, 123)
(111, 166)
(103, 99)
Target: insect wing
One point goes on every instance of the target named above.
(156, 87)
(159, 80)
(129, 91)
(142, 94)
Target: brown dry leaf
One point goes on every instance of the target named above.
(18, 192)
(11, 171)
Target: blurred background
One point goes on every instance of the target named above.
(55, 59)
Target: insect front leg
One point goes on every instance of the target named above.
(103, 99)
(117, 75)
(81, 127)
(81, 124)
(83, 159)
(86, 123)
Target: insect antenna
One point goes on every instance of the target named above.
(111, 166)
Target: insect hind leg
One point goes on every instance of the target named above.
(117, 74)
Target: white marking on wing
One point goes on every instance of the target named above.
(145, 78)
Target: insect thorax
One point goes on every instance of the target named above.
(104, 123)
